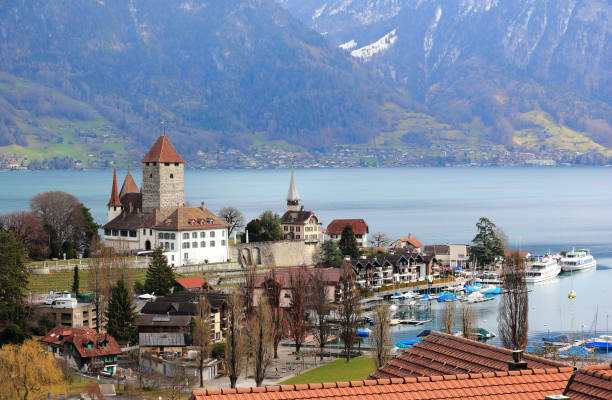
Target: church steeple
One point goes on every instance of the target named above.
(293, 197)
(114, 198)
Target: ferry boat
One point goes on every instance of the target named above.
(577, 261)
(541, 269)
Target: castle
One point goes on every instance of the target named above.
(156, 215)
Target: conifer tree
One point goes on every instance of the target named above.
(348, 243)
(14, 279)
(160, 277)
(75, 281)
(120, 314)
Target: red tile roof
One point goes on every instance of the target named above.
(412, 240)
(501, 385)
(129, 186)
(114, 198)
(591, 383)
(441, 354)
(191, 283)
(163, 151)
(191, 218)
(297, 217)
(336, 226)
(81, 337)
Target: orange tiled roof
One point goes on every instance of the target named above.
(591, 383)
(192, 218)
(192, 282)
(114, 199)
(336, 226)
(413, 241)
(129, 186)
(163, 151)
(441, 354)
(500, 385)
(81, 337)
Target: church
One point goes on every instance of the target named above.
(156, 215)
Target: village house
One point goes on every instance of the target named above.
(156, 215)
(191, 284)
(450, 255)
(297, 223)
(84, 349)
(66, 311)
(393, 268)
(409, 243)
(360, 228)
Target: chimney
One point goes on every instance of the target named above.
(557, 397)
(202, 205)
(517, 362)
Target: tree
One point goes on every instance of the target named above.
(349, 309)
(468, 321)
(201, 332)
(319, 303)
(271, 226)
(331, 256)
(14, 280)
(233, 217)
(261, 342)
(100, 281)
(120, 314)
(513, 314)
(381, 337)
(235, 343)
(254, 230)
(30, 229)
(448, 317)
(75, 281)
(27, 371)
(298, 320)
(91, 228)
(279, 320)
(380, 239)
(348, 243)
(487, 246)
(160, 277)
(499, 232)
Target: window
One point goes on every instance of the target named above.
(150, 232)
(124, 233)
(186, 256)
(171, 246)
(212, 243)
(202, 234)
(291, 229)
(167, 164)
(144, 231)
(166, 236)
(160, 235)
(107, 232)
(150, 175)
(115, 232)
(154, 164)
(185, 235)
(194, 245)
(171, 176)
(202, 244)
(223, 243)
(297, 228)
(297, 236)
(186, 245)
(132, 233)
(223, 233)
(166, 245)
(172, 236)
(286, 228)
(194, 235)
(212, 234)
(147, 164)
(172, 256)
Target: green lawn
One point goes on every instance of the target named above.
(357, 369)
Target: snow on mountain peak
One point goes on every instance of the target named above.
(366, 52)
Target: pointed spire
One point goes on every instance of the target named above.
(114, 199)
(129, 186)
(293, 197)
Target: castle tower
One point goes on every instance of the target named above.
(163, 183)
(129, 186)
(114, 204)
(293, 197)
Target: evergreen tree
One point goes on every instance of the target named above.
(160, 277)
(91, 228)
(120, 314)
(348, 243)
(487, 247)
(331, 257)
(75, 281)
(14, 279)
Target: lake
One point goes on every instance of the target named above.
(539, 208)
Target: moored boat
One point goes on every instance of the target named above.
(541, 269)
(577, 260)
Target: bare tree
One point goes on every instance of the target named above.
(248, 288)
(261, 343)
(468, 321)
(499, 232)
(381, 337)
(349, 309)
(100, 281)
(235, 341)
(298, 320)
(177, 383)
(30, 229)
(448, 317)
(201, 332)
(512, 318)
(63, 213)
(233, 217)
(279, 321)
(380, 239)
(320, 304)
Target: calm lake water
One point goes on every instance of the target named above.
(547, 208)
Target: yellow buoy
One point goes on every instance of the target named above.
(571, 295)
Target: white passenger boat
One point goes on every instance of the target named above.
(541, 269)
(577, 260)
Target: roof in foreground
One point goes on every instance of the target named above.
(336, 226)
(442, 354)
(591, 383)
(500, 385)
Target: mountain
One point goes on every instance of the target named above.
(218, 71)
(530, 74)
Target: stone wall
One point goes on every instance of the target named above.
(275, 254)
(159, 190)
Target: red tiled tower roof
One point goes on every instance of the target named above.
(336, 226)
(163, 151)
(129, 186)
(114, 199)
